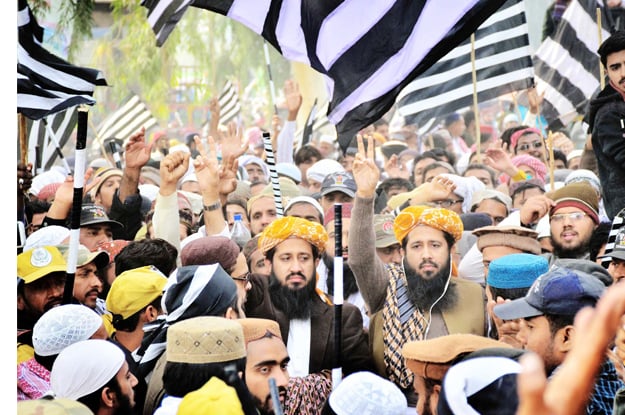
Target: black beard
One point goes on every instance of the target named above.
(424, 292)
(296, 304)
(561, 252)
(349, 281)
(123, 407)
(266, 408)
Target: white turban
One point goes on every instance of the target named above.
(465, 187)
(64, 325)
(84, 367)
(319, 170)
(49, 235)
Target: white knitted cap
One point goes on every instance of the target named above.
(364, 393)
(64, 325)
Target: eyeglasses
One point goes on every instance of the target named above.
(245, 277)
(573, 216)
(527, 146)
(446, 203)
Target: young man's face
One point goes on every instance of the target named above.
(615, 65)
(262, 213)
(266, 358)
(107, 190)
(306, 211)
(87, 285)
(93, 235)
(535, 335)
(533, 145)
(255, 173)
(571, 229)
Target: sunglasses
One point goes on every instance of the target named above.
(446, 203)
(527, 146)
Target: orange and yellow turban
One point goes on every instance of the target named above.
(291, 227)
(438, 218)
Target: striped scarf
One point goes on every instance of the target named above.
(403, 322)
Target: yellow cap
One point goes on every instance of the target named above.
(215, 397)
(133, 290)
(39, 262)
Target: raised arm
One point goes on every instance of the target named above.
(369, 271)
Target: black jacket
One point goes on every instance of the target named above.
(606, 120)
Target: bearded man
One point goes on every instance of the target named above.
(293, 246)
(420, 299)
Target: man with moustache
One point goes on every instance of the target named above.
(416, 301)
(293, 246)
(573, 217)
(40, 284)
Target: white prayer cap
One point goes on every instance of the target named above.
(49, 235)
(465, 188)
(64, 325)
(84, 367)
(365, 393)
(49, 176)
(149, 190)
(305, 199)
(322, 168)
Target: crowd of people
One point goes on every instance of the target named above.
(481, 273)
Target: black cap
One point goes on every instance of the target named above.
(91, 214)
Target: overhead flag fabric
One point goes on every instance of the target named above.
(567, 64)
(503, 64)
(367, 50)
(61, 125)
(127, 120)
(46, 83)
(229, 105)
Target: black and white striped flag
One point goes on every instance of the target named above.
(368, 51)
(127, 120)
(503, 64)
(48, 136)
(46, 83)
(229, 105)
(567, 64)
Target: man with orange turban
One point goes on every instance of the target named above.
(419, 299)
(293, 246)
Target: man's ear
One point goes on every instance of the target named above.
(108, 398)
(21, 303)
(564, 338)
(231, 314)
(316, 262)
(150, 314)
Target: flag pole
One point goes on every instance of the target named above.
(273, 173)
(50, 132)
(476, 111)
(23, 141)
(272, 87)
(601, 73)
(337, 372)
(551, 161)
(275, 397)
(79, 178)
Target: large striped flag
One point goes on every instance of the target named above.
(46, 83)
(47, 137)
(229, 105)
(567, 64)
(367, 50)
(503, 64)
(127, 120)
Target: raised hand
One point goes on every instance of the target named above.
(293, 99)
(507, 330)
(394, 168)
(228, 176)
(207, 168)
(215, 110)
(172, 168)
(137, 152)
(535, 208)
(233, 143)
(535, 100)
(365, 171)
(497, 158)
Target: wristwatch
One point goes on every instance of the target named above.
(214, 206)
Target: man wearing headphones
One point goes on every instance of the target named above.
(419, 299)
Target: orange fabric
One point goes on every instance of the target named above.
(291, 227)
(438, 218)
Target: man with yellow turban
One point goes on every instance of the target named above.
(293, 246)
(419, 299)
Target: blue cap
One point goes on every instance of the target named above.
(561, 291)
(516, 270)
